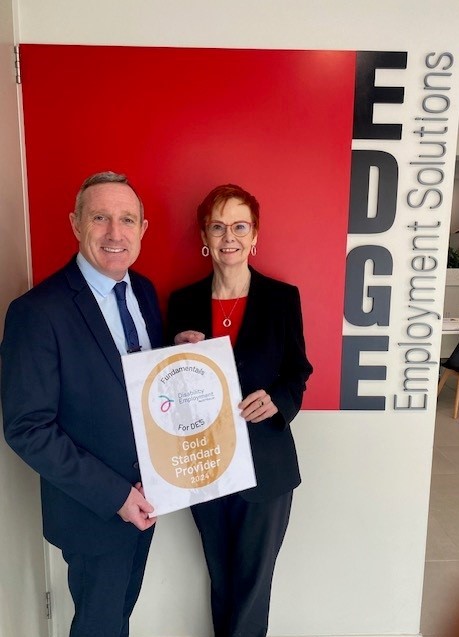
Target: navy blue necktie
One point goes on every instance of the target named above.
(130, 331)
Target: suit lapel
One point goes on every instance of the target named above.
(252, 313)
(202, 306)
(149, 309)
(204, 303)
(91, 314)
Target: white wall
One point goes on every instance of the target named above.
(354, 555)
(240, 23)
(22, 580)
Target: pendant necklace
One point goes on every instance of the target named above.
(227, 320)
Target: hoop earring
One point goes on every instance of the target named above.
(253, 250)
(205, 251)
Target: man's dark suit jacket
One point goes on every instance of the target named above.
(66, 411)
(270, 355)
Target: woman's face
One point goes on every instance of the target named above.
(230, 250)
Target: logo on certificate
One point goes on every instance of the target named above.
(189, 420)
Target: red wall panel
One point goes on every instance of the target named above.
(179, 122)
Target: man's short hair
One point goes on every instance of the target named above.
(107, 177)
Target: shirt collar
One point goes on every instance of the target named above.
(100, 282)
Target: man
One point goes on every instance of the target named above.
(66, 410)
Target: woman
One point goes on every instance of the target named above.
(242, 533)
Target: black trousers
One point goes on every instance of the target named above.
(241, 542)
(105, 588)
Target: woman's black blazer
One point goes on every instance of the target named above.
(270, 354)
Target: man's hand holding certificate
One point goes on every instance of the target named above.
(192, 443)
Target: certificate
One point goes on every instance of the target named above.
(192, 444)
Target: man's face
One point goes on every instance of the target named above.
(109, 228)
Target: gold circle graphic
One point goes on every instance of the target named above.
(199, 459)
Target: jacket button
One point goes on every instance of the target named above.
(135, 465)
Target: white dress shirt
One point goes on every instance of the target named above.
(102, 288)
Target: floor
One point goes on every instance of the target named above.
(440, 606)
